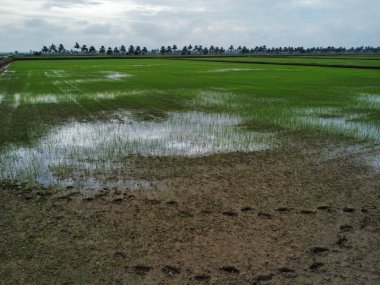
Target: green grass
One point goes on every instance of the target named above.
(320, 60)
(269, 96)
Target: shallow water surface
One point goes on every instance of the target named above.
(101, 147)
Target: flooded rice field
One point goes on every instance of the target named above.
(336, 120)
(102, 146)
(183, 172)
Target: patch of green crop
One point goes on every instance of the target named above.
(322, 60)
(37, 95)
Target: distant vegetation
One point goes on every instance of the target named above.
(84, 49)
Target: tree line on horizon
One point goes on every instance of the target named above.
(198, 50)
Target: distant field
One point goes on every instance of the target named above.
(318, 60)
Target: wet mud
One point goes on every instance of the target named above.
(270, 217)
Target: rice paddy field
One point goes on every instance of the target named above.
(160, 171)
(359, 61)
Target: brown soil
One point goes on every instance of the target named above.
(278, 217)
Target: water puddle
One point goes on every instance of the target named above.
(369, 100)
(16, 100)
(116, 75)
(44, 99)
(335, 121)
(69, 96)
(80, 154)
(55, 73)
(5, 70)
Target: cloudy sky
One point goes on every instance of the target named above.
(29, 24)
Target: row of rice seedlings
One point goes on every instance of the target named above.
(334, 120)
(101, 146)
(371, 101)
(227, 100)
(331, 119)
(26, 98)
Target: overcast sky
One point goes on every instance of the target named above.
(29, 24)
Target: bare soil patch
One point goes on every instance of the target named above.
(271, 217)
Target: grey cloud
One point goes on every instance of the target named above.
(162, 22)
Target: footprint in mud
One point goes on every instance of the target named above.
(325, 208)
(118, 199)
(131, 197)
(230, 214)
(283, 209)
(141, 269)
(345, 228)
(88, 199)
(100, 195)
(185, 214)
(319, 250)
(171, 203)
(316, 266)
(153, 202)
(202, 277)
(287, 272)
(265, 215)
(247, 209)
(348, 209)
(262, 278)
(171, 270)
(230, 269)
(206, 212)
(120, 254)
(366, 209)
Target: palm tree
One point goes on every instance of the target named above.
(231, 48)
(184, 50)
(162, 50)
(92, 49)
(45, 49)
(77, 46)
(131, 50)
(53, 48)
(61, 48)
(169, 49)
(123, 50)
(84, 49)
(109, 51)
(102, 50)
(138, 50)
(174, 48)
(116, 50)
(144, 50)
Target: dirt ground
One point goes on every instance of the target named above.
(273, 217)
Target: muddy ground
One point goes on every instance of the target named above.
(273, 217)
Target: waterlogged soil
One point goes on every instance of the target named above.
(270, 217)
